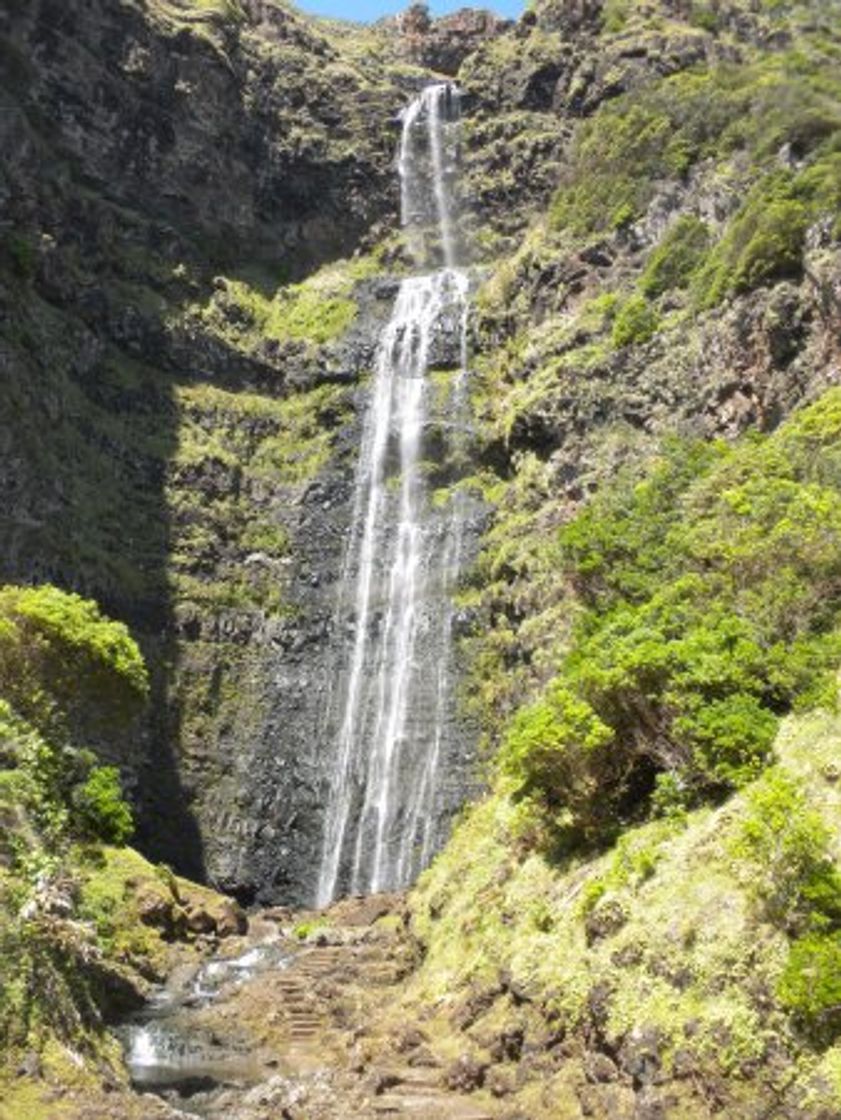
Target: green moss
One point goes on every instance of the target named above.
(20, 253)
(305, 929)
(112, 883)
(317, 311)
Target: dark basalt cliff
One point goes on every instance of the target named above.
(149, 148)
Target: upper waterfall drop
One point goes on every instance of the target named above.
(393, 700)
(428, 169)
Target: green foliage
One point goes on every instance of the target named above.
(636, 322)
(316, 311)
(616, 159)
(763, 243)
(655, 134)
(671, 264)
(100, 808)
(725, 113)
(615, 15)
(810, 985)
(705, 14)
(786, 844)
(62, 663)
(711, 596)
(559, 748)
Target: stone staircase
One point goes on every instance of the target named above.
(301, 1006)
(419, 1093)
(306, 988)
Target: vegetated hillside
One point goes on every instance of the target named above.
(647, 903)
(642, 917)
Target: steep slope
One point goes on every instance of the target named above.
(651, 600)
(681, 974)
(679, 275)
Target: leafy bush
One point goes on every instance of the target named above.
(559, 747)
(100, 809)
(711, 596)
(636, 321)
(810, 985)
(675, 259)
(787, 846)
(63, 664)
(763, 243)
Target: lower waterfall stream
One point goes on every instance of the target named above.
(169, 1052)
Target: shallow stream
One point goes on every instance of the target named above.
(172, 1052)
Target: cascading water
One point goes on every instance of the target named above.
(393, 692)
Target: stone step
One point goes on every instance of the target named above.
(419, 1079)
(456, 1108)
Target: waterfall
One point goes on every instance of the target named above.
(393, 690)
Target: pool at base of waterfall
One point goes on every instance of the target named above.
(171, 1052)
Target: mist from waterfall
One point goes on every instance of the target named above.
(394, 688)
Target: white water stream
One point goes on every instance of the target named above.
(394, 688)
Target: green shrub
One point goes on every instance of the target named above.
(658, 133)
(711, 596)
(559, 748)
(62, 663)
(763, 243)
(792, 874)
(615, 15)
(100, 809)
(672, 263)
(705, 14)
(636, 322)
(810, 985)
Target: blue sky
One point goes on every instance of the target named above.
(363, 10)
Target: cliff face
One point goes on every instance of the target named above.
(197, 212)
(151, 148)
(190, 204)
(198, 253)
